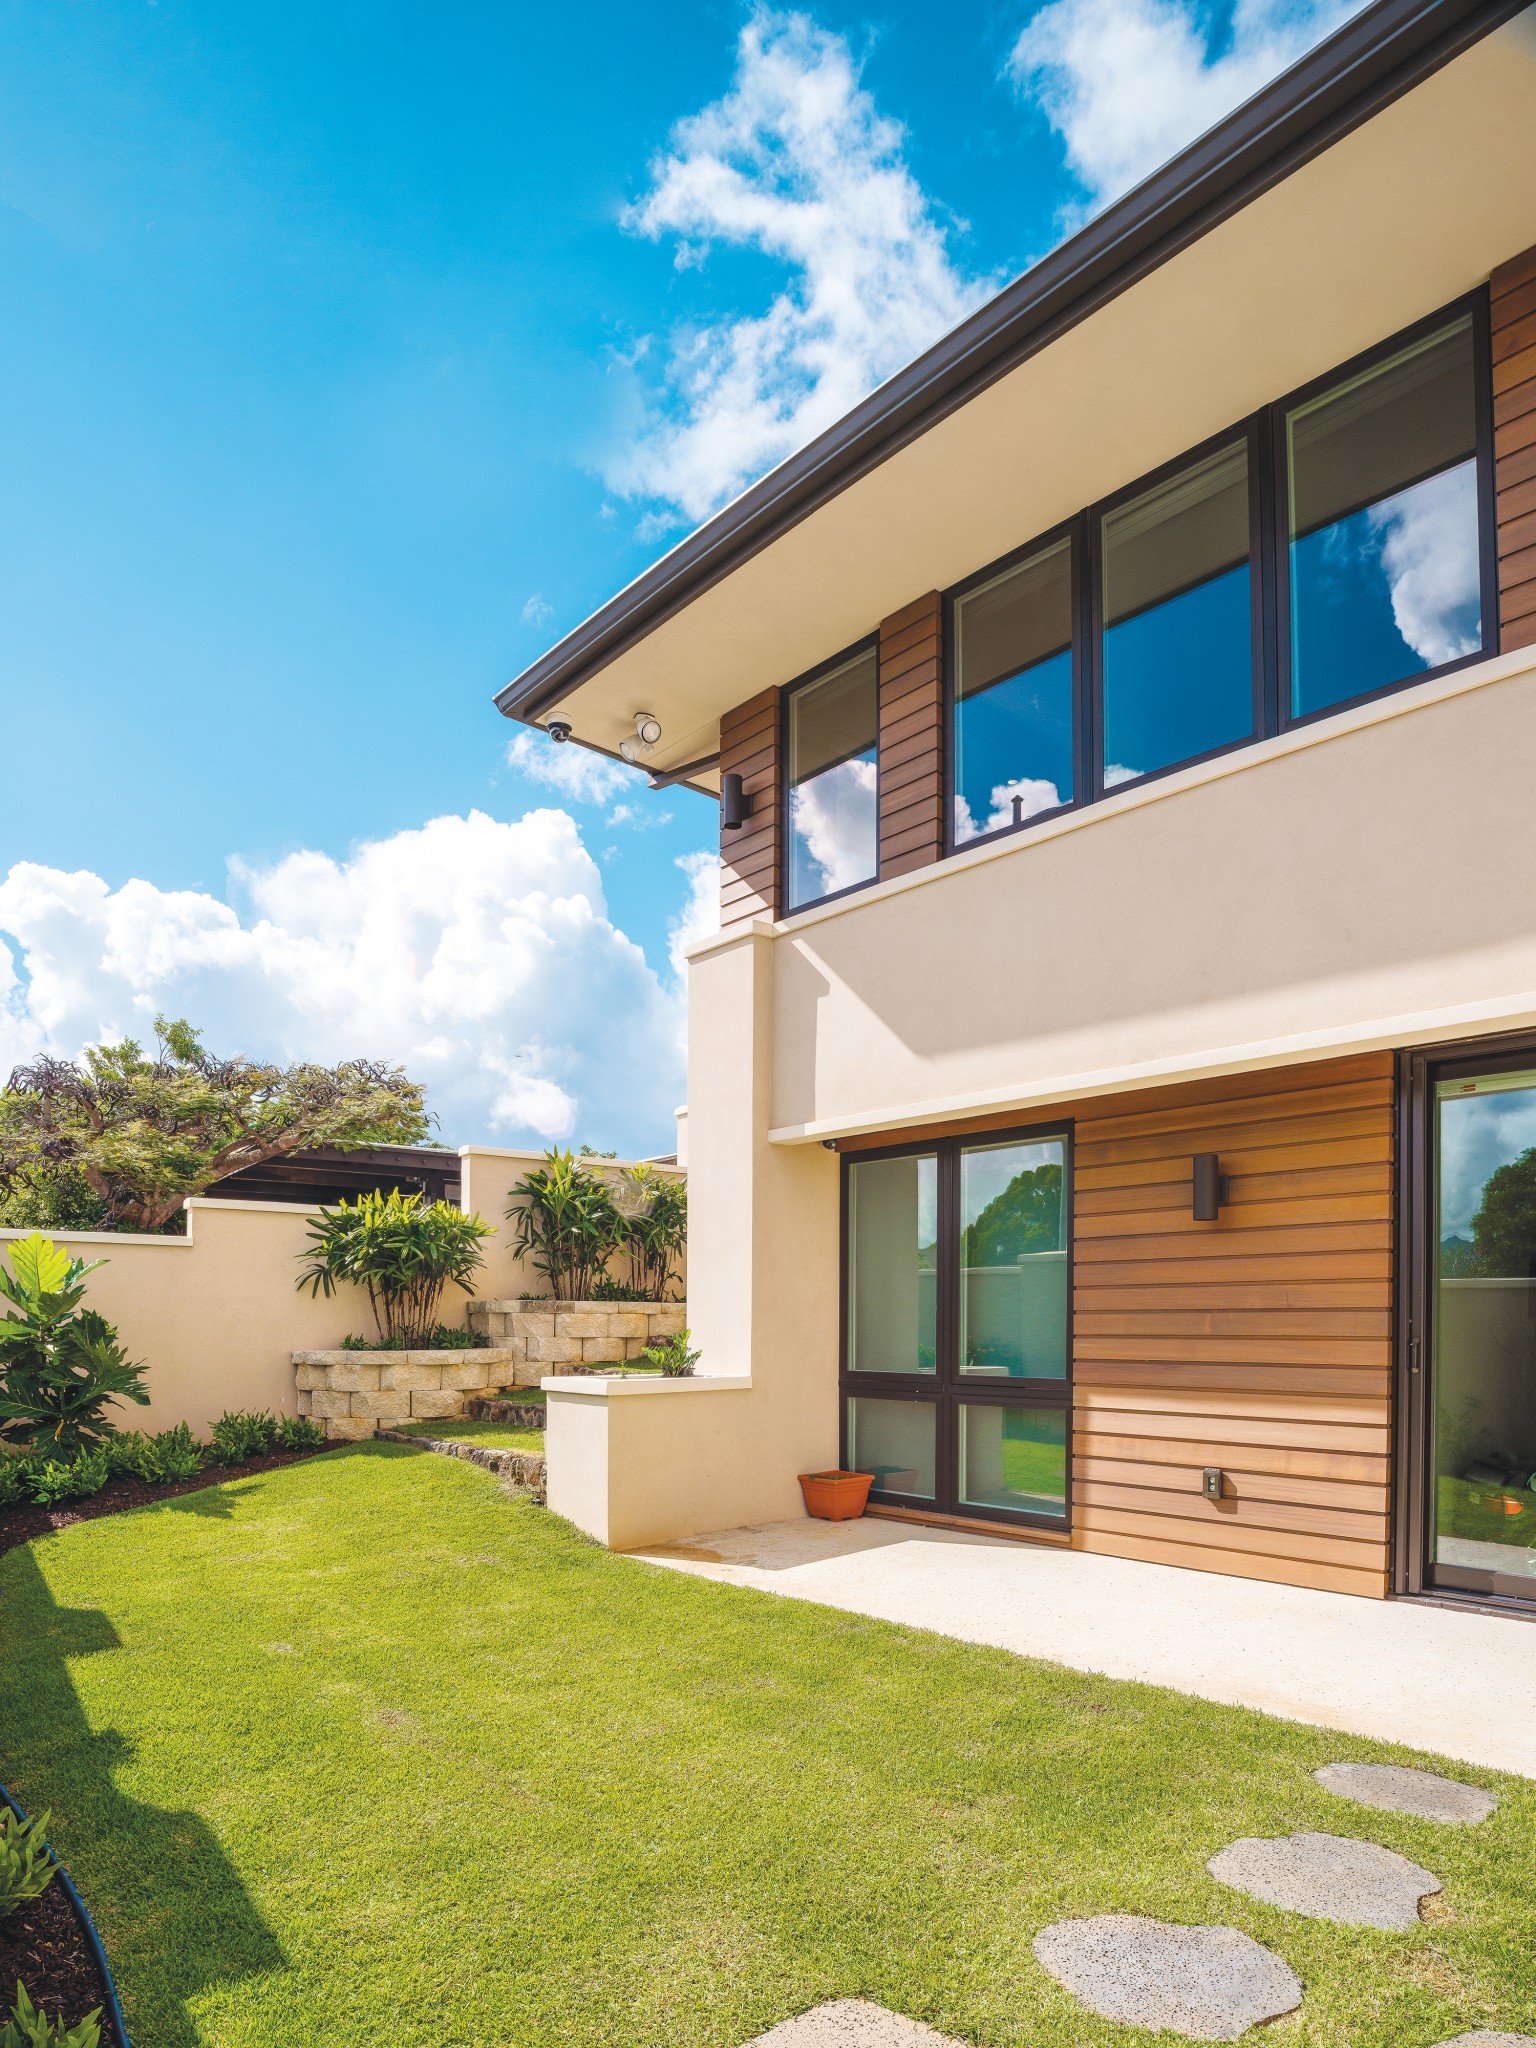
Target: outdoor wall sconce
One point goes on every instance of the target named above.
(1212, 1188)
(1213, 1482)
(735, 804)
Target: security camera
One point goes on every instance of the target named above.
(559, 730)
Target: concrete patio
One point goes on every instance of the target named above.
(1436, 1679)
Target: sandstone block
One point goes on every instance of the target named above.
(348, 1429)
(433, 1404)
(478, 1316)
(407, 1377)
(352, 1378)
(666, 1322)
(302, 1400)
(584, 1323)
(330, 1401)
(460, 1378)
(628, 1323)
(554, 1350)
(307, 1377)
(393, 1405)
(602, 1350)
(531, 1323)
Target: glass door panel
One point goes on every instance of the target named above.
(1013, 1273)
(893, 1264)
(1013, 1458)
(895, 1440)
(1482, 1508)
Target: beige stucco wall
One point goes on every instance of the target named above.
(215, 1315)
(489, 1175)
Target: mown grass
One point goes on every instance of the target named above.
(364, 1750)
(496, 1436)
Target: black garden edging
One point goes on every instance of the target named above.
(114, 2033)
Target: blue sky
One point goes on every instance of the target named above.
(352, 354)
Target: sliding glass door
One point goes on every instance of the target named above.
(1479, 1423)
(957, 1326)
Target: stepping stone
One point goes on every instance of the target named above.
(852, 2023)
(1393, 1788)
(1328, 1877)
(1210, 1983)
(1482, 2040)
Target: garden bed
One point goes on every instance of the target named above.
(21, 1524)
(48, 1945)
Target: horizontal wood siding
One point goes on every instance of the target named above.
(751, 856)
(912, 737)
(1513, 321)
(1261, 1343)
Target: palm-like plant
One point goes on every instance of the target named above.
(402, 1250)
(60, 1364)
(567, 1222)
(654, 1235)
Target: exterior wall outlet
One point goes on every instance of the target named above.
(1213, 1482)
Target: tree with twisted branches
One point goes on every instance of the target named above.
(126, 1137)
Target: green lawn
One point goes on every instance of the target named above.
(364, 1750)
(496, 1436)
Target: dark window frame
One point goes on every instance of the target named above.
(868, 644)
(945, 1390)
(1268, 484)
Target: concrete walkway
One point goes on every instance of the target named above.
(1436, 1679)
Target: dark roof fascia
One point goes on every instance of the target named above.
(1371, 61)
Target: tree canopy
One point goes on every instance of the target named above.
(122, 1137)
(1504, 1228)
(1025, 1217)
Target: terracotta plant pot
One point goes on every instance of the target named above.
(836, 1496)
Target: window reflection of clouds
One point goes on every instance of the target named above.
(1478, 1134)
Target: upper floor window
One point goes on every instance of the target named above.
(1176, 646)
(833, 822)
(1013, 738)
(1383, 558)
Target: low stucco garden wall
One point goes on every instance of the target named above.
(358, 1393)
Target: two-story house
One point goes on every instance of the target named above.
(1112, 1090)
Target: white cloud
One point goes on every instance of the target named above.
(834, 818)
(797, 162)
(479, 954)
(580, 776)
(1038, 794)
(1429, 551)
(700, 914)
(1127, 83)
(537, 611)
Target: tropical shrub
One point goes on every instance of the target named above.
(655, 1229)
(175, 1454)
(51, 1480)
(240, 1434)
(673, 1357)
(299, 1433)
(606, 1288)
(402, 1250)
(15, 1479)
(27, 1867)
(445, 1337)
(127, 1138)
(567, 1223)
(29, 2028)
(60, 1364)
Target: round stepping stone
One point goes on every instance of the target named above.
(1483, 2040)
(852, 2023)
(1328, 1877)
(1209, 1983)
(1394, 1788)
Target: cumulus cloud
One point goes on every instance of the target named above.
(796, 162)
(1038, 795)
(479, 954)
(578, 774)
(1429, 553)
(700, 914)
(834, 820)
(1127, 83)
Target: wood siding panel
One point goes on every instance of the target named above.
(751, 856)
(1260, 1343)
(1512, 291)
(912, 736)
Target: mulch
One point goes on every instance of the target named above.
(20, 1525)
(44, 1944)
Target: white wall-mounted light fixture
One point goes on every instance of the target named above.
(647, 734)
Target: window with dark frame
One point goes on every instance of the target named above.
(1336, 546)
(956, 1365)
(832, 727)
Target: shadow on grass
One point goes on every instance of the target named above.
(173, 1915)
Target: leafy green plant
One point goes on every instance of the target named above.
(133, 1136)
(27, 2027)
(655, 1229)
(445, 1337)
(299, 1433)
(606, 1288)
(567, 1223)
(672, 1357)
(242, 1433)
(60, 1364)
(15, 1478)
(402, 1250)
(52, 1480)
(159, 1460)
(27, 1867)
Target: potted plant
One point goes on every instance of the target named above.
(836, 1496)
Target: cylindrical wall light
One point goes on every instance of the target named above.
(734, 803)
